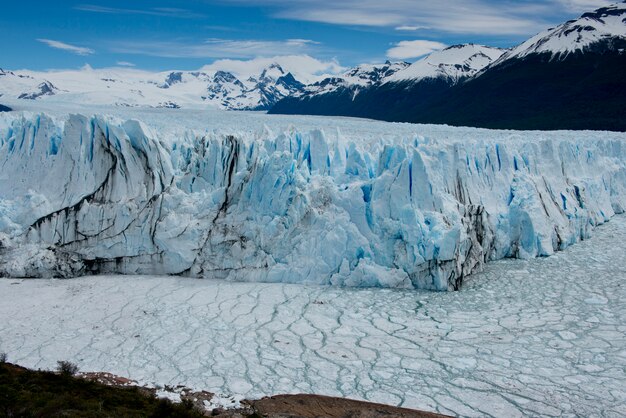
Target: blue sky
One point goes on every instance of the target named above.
(167, 34)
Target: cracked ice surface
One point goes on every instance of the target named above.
(540, 337)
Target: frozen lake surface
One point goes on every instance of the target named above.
(538, 337)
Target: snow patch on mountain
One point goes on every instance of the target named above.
(577, 35)
(45, 88)
(362, 76)
(82, 194)
(453, 64)
(130, 88)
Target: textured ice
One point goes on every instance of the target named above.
(363, 204)
(540, 337)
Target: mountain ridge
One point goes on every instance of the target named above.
(205, 88)
(568, 77)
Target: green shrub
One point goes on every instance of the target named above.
(67, 368)
(29, 393)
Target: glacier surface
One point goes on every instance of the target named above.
(356, 203)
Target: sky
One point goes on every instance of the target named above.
(329, 34)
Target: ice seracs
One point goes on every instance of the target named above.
(92, 194)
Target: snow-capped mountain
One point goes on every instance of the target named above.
(366, 88)
(600, 28)
(125, 87)
(454, 63)
(364, 75)
(224, 88)
(215, 88)
(45, 88)
(367, 75)
(272, 85)
(568, 77)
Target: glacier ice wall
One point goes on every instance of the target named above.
(82, 195)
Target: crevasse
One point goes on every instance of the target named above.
(86, 195)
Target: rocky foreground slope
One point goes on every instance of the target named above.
(43, 393)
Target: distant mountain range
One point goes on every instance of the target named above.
(405, 86)
(569, 77)
(172, 89)
(572, 76)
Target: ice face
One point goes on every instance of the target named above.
(539, 337)
(101, 195)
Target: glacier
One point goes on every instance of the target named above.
(367, 204)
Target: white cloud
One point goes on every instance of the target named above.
(342, 15)
(125, 64)
(410, 28)
(413, 49)
(303, 67)
(480, 17)
(484, 17)
(579, 6)
(78, 50)
(155, 11)
(215, 48)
